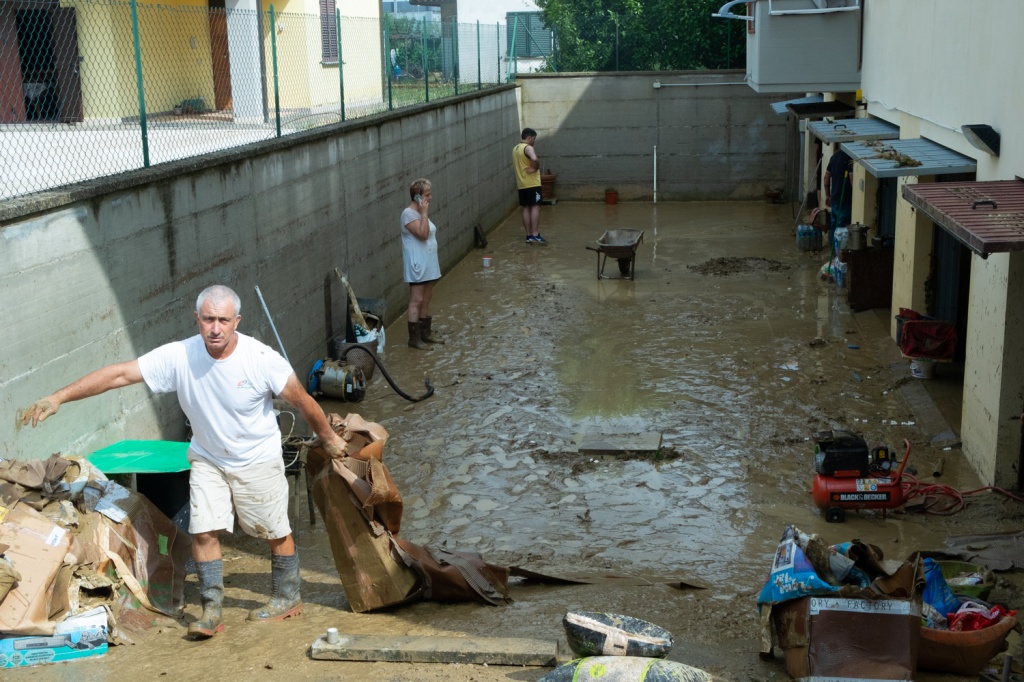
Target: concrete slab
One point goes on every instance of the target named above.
(603, 444)
(431, 649)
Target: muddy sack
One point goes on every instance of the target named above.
(362, 509)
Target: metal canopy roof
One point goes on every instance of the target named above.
(820, 109)
(854, 129)
(988, 217)
(917, 156)
(780, 107)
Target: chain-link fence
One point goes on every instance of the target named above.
(91, 88)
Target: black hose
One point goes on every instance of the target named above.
(370, 351)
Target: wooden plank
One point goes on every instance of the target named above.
(430, 649)
(629, 442)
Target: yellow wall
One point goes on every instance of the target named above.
(176, 61)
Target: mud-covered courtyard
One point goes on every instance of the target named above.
(727, 345)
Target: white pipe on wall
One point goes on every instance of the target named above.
(655, 173)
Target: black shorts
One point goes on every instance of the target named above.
(529, 196)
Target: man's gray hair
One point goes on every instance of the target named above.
(218, 293)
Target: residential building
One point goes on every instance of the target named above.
(918, 94)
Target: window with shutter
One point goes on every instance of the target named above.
(328, 32)
(532, 37)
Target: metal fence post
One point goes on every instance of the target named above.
(455, 51)
(497, 40)
(387, 60)
(341, 69)
(138, 83)
(273, 61)
(426, 64)
(479, 73)
(513, 53)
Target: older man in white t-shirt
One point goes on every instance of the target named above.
(225, 382)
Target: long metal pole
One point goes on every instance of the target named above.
(479, 74)
(272, 327)
(455, 49)
(341, 62)
(273, 59)
(426, 64)
(387, 61)
(138, 83)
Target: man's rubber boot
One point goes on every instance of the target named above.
(426, 333)
(211, 592)
(415, 338)
(285, 601)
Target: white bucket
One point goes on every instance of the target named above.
(487, 261)
(922, 368)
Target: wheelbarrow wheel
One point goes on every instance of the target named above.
(624, 265)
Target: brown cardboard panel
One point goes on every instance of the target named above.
(855, 639)
(37, 548)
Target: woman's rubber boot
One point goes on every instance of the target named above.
(285, 601)
(211, 592)
(425, 331)
(415, 338)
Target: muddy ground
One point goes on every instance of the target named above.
(727, 344)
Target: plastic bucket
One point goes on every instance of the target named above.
(922, 368)
(487, 261)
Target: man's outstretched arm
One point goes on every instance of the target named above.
(102, 380)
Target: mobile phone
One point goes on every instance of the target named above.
(418, 199)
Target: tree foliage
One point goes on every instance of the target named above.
(643, 35)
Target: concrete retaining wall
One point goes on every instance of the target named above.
(716, 138)
(108, 270)
(104, 271)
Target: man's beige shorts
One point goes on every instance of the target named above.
(258, 493)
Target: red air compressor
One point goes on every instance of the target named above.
(850, 476)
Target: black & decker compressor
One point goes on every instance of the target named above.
(849, 475)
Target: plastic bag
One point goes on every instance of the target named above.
(936, 591)
(974, 616)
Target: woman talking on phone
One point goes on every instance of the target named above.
(420, 265)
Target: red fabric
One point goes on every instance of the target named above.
(928, 339)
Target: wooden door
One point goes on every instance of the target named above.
(12, 97)
(219, 58)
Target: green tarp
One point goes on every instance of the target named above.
(141, 457)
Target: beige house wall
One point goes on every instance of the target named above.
(932, 67)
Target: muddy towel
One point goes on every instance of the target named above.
(362, 509)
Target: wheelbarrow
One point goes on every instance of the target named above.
(621, 245)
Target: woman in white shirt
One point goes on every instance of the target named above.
(420, 265)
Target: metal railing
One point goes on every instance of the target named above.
(93, 88)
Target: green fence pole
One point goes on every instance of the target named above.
(273, 61)
(387, 60)
(513, 62)
(497, 40)
(341, 70)
(455, 50)
(426, 63)
(138, 83)
(479, 74)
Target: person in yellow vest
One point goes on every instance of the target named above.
(527, 169)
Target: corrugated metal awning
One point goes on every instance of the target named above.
(917, 156)
(821, 110)
(854, 129)
(780, 107)
(988, 217)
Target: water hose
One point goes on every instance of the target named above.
(391, 382)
